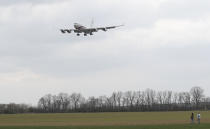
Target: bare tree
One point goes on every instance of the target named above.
(197, 94)
(169, 97)
(42, 104)
(119, 98)
(93, 103)
(56, 103)
(131, 97)
(64, 101)
(76, 98)
(114, 99)
(180, 98)
(140, 100)
(102, 100)
(125, 101)
(150, 96)
(160, 97)
(186, 97)
(175, 97)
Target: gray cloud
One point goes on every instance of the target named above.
(186, 9)
(14, 2)
(163, 41)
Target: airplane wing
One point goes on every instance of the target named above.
(109, 27)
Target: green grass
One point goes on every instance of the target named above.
(181, 126)
(118, 120)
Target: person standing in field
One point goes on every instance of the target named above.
(192, 118)
(199, 118)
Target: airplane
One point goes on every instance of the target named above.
(82, 29)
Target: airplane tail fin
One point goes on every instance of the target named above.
(92, 23)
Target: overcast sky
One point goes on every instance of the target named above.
(164, 45)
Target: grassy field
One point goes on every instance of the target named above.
(127, 120)
(182, 126)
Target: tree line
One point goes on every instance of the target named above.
(129, 101)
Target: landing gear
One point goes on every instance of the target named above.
(85, 34)
(91, 33)
(78, 34)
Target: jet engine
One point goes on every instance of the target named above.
(69, 31)
(63, 31)
(104, 29)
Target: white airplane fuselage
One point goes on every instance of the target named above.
(79, 26)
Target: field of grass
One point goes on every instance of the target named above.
(126, 120)
(182, 126)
